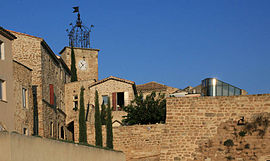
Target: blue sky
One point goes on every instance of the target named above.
(174, 42)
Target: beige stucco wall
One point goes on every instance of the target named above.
(16, 147)
(23, 115)
(91, 58)
(7, 106)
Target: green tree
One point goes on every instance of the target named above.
(73, 66)
(98, 127)
(109, 140)
(82, 123)
(150, 110)
(103, 114)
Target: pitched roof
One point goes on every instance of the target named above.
(19, 33)
(112, 78)
(7, 34)
(150, 86)
(47, 48)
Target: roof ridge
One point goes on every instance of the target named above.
(20, 33)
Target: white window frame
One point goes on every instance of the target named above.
(2, 50)
(3, 90)
(24, 97)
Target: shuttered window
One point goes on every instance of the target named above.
(51, 95)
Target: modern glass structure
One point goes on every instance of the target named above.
(215, 87)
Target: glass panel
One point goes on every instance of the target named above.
(237, 91)
(219, 90)
(105, 99)
(231, 90)
(219, 83)
(23, 97)
(210, 91)
(225, 89)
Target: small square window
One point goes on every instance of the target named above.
(25, 131)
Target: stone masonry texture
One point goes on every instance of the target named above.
(192, 121)
(23, 115)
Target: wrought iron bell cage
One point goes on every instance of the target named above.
(79, 35)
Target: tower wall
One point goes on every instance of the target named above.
(90, 56)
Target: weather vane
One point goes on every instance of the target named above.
(79, 35)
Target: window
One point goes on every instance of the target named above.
(62, 132)
(75, 102)
(2, 90)
(51, 129)
(51, 95)
(24, 98)
(25, 131)
(105, 99)
(2, 56)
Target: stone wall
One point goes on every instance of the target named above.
(105, 88)
(191, 122)
(47, 69)
(26, 50)
(16, 147)
(90, 56)
(23, 114)
(53, 74)
(138, 142)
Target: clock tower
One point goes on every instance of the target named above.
(86, 58)
(86, 62)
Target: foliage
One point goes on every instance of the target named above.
(229, 158)
(103, 114)
(82, 123)
(109, 141)
(228, 143)
(242, 133)
(150, 110)
(247, 146)
(73, 66)
(259, 124)
(98, 127)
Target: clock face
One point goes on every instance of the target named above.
(82, 65)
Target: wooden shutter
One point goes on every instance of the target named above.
(51, 95)
(114, 101)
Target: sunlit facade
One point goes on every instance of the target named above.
(215, 87)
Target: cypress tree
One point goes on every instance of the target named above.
(98, 127)
(109, 140)
(82, 123)
(73, 66)
(103, 114)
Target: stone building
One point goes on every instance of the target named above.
(23, 97)
(49, 75)
(7, 106)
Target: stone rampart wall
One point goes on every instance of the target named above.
(193, 121)
(138, 142)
